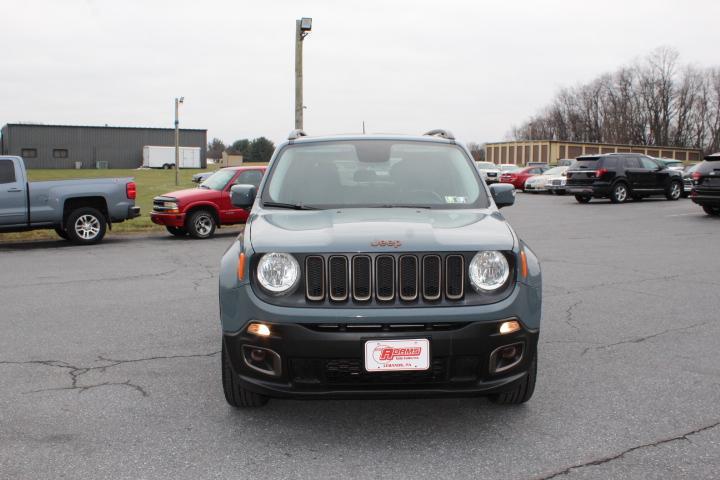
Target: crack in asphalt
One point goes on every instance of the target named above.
(93, 280)
(569, 315)
(75, 372)
(85, 388)
(622, 454)
(642, 339)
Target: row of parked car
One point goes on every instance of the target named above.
(617, 176)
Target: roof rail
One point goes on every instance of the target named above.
(439, 132)
(295, 134)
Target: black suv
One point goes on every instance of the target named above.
(619, 176)
(706, 184)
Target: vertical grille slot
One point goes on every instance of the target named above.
(431, 277)
(454, 277)
(361, 278)
(408, 275)
(338, 275)
(385, 278)
(314, 278)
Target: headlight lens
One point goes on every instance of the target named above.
(488, 270)
(278, 273)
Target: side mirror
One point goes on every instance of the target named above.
(503, 194)
(243, 196)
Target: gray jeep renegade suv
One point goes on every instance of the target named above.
(375, 266)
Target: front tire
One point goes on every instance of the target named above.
(674, 191)
(582, 198)
(522, 392)
(201, 224)
(85, 226)
(177, 231)
(235, 395)
(619, 193)
(714, 211)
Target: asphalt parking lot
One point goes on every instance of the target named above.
(109, 366)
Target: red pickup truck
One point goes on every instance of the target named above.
(199, 211)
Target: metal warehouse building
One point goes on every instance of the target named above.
(64, 146)
(550, 151)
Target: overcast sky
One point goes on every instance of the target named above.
(474, 67)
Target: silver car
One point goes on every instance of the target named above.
(488, 171)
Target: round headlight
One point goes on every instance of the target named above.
(488, 271)
(278, 273)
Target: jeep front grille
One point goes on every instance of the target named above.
(384, 278)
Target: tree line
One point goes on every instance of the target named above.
(654, 101)
(256, 150)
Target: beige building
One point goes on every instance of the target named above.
(550, 151)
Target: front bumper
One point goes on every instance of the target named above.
(330, 364)
(168, 219)
(320, 356)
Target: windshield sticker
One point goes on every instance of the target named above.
(455, 199)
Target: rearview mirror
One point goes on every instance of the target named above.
(503, 194)
(243, 196)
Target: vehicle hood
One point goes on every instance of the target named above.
(364, 230)
(193, 194)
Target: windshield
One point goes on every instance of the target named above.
(218, 180)
(509, 168)
(485, 165)
(555, 171)
(374, 173)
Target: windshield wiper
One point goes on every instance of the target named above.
(293, 206)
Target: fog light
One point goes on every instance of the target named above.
(262, 360)
(506, 357)
(259, 329)
(509, 327)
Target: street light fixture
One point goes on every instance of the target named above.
(302, 29)
(178, 101)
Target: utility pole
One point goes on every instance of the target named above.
(178, 101)
(302, 29)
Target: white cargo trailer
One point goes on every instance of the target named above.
(164, 157)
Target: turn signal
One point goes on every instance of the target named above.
(509, 327)
(523, 264)
(241, 267)
(259, 329)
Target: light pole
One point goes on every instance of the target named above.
(302, 29)
(178, 101)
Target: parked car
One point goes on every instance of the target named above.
(706, 184)
(508, 167)
(199, 211)
(78, 210)
(488, 171)
(565, 162)
(620, 176)
(557, 177)
(408, 282)
(687, 178)
(671, 163)
(517, 177)
(541, 183)
(201, 177)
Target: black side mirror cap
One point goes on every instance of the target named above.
(243, 196)
(503, 194)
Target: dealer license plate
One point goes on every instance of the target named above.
(394, 355)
